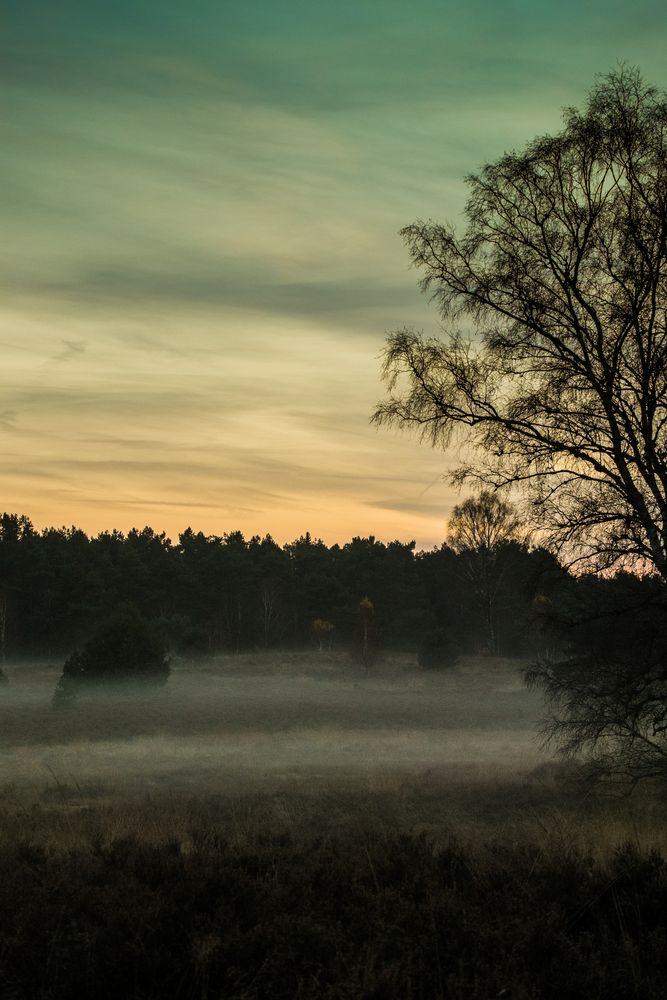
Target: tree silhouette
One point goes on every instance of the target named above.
(559, 384)
(479, 532)
(562, 384)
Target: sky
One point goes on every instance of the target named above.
(201, 255)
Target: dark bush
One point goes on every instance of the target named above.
(438, 652)
(124, 648)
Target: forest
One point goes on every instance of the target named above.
(209, 593)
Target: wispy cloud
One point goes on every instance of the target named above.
(421, 509)
(8, 419)
(72, 349)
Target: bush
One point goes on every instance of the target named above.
(124, 648)
(438, 652)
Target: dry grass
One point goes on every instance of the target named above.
(478, 813)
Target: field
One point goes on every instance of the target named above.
(284, 826)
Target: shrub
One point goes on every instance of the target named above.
(64, 695)
(124, 648)
(438, 652)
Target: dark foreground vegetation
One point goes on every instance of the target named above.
(354, 914)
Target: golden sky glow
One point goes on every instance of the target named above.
(201, 258)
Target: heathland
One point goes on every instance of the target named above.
(292, 825)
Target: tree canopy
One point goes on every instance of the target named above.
(207, 593)
(554, 303)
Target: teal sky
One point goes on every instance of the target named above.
(201, 258)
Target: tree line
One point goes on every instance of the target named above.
(227, 593)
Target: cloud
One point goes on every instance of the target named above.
(348, 303)
(418, 507)
(8, 419)
(317, 58)
(154, 344)
(73, 348)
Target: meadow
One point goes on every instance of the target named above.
(285, 826)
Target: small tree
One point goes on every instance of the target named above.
(65, 694)
(322, 630)
(366, 614)
(125, 648)
(479, 530)
(438, 651)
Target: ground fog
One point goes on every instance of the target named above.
(259, 721)
(301, 741)
(278, 827)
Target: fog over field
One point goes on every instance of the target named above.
(265, 813)
(254, 723)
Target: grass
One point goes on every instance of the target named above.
(291, 833)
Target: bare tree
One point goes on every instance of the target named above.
(479, 530)
(554, 368)
(561, 279)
